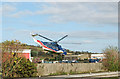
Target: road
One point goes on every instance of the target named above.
(90, 74)
(85, 76)
(81, 76)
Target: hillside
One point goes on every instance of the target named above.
(37, 51)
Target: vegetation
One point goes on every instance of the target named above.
(0, 61)
(119, 61)
(36, 51)
(13, 63)
(72, 73)
(111, 58)
(60, 73)
(17, 66)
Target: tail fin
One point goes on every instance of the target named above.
(33, 34)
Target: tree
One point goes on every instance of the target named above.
(13, 63)
(119, 61)
(12, 46)
(0, 53)
(0, 59)
(111, 58)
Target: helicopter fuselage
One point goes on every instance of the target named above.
(50, 46)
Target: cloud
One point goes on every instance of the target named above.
(88, 41)
(60, 1)
(95, 13)
(7, 8)
(73, 35)
(34, 24)
(21, 13)
(94, 34)
(77, 42)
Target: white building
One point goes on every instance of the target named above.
(99, 56)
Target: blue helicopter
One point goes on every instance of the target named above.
(52, 46)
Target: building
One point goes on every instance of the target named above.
(76, 57)
(98, 56)
(25, 53)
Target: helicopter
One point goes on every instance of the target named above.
(51, 46)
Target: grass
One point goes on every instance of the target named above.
(60, 73)
(73, 73)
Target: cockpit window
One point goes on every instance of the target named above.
(51, 45)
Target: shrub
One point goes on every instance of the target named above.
(13, 63)
(111, 58)
(34, 53)
(16, 66)
(36, 60)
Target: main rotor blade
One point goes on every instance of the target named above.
(71, 43)
(45, 37)
(62, 38)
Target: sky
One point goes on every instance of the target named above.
(93, 24)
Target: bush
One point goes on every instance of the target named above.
(16, 66)
(13, 63)
(34, 53)
(111, 58)
(36, 60)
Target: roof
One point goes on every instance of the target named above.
(24, 51)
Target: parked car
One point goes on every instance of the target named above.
(94, 60)
(74, 61)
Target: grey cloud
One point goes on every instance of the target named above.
(94, 34)
(86, 12)
(95, 13)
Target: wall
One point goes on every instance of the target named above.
(48, 68)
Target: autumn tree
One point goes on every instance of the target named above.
(111, 58)
(12, 46)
